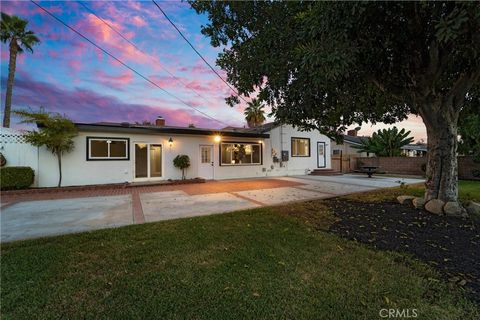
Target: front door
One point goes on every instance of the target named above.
(205, 163)
(321, 157)
(148, 161)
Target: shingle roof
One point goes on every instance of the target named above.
(354, 139)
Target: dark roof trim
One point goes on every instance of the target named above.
(92, 127)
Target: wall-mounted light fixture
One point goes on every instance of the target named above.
(170, 142)
(217, 138)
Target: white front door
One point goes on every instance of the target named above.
(205, 163)
(321, 155)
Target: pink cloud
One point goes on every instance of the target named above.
(75, 65)
(83, 105)
(115, 81)
(138, 21)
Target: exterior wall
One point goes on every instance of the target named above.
(413, 165)
(280, 139)
(17, 152)
(78, 171)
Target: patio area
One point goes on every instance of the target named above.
(46, 214)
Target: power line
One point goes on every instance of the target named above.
(198, 53)
(140, 50)
(124, 64)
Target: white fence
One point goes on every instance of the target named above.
(17, 151)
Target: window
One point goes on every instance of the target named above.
(240, 153)
(206, 154)
(337, 152)
(99, 148)
(300, 147)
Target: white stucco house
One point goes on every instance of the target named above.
(122, 152)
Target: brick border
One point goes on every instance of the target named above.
(137, 210)
(98, 187)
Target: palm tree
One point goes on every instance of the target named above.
(13, 30)
(386, 142)
(254, 113)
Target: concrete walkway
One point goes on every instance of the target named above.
(38, 215)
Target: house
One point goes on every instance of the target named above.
(123, 152)
(350, 140)
(415, 150)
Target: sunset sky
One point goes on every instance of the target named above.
(67, 74)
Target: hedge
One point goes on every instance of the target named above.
(16, 177)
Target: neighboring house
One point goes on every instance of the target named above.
(415, 150)
(347, 149)
(123, 152)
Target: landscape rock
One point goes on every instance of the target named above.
(435, 206)
(473, 210)
(453, 208)
(405, 199)
(419, 202)
(473, 207)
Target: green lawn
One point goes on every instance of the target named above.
(257, 264)
(467, 190)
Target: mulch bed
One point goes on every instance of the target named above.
(449, 244)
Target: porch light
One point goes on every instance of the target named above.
(217, 138)
(170, 141)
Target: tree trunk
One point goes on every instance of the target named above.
(11, 74)
(442, 168)
(59, 157)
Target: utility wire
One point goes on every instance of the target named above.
(124, 64)
(140, 50)
(198, 53)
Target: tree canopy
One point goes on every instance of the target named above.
(328, 65)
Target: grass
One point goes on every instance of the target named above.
(467, 190)
(267, 263)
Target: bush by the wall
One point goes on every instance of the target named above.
(16, 178)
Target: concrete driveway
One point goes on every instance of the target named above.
(53, 214)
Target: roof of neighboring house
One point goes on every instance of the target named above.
(126, 127)
(357, 140)
(415, 147)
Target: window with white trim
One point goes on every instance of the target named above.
(300, 147)
(234, 154)
(99, 148)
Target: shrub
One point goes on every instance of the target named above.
(16, 178)
(182, 161)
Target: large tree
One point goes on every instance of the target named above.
(327, 65)
(13, 30)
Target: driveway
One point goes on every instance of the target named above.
(37, 215)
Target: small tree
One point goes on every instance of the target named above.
(182, 162)
(386, 142)
(56, 134)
